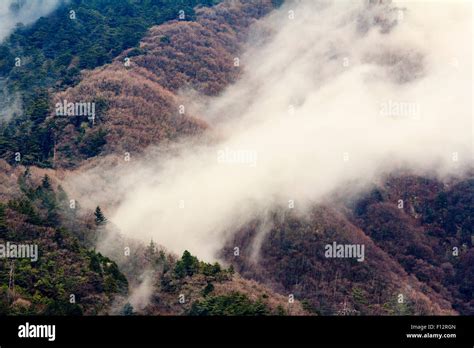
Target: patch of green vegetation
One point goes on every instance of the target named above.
(229, 305)
(399, 305)
(175, 274)
(92, 143)
(65, 272)
(189, 265)
(207, 289)
(3, 221)
(55, 49)
(63, 42)
(29, 137)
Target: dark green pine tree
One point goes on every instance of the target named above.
(3, 222)
(99, 217)
(46, 183)
(187, 266)
(127, 310)
(150, 252)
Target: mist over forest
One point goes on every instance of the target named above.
(260, 157)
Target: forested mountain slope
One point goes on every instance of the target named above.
(69, 277)
(34, 209)
(137, 96)
(420, 249)
(50, 55)
(418, 253)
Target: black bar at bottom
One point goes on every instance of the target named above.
(135, 330)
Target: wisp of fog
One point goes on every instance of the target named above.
(14, 12)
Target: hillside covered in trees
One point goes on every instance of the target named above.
(138, 104)
(69, 277)
(420, 249)
(51, 54)
(140, 63)
(66, 277)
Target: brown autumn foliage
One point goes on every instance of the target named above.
(405, 252)
(408, 250)
(138, 105)
(165, 287)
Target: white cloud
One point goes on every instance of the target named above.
(27, 12)
(326, 101)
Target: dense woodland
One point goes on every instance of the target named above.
(136, 105)
(53, 52)
(71, 278)
(66, 266)
(409, 249)
(140, 103)
(57, 47)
